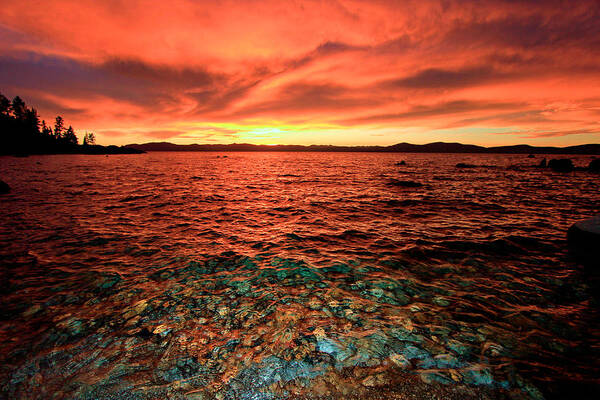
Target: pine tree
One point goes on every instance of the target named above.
(46, 130)
(32, 121)
(59, 126)
(89, 139)
(70, 137)
(4, 106)
(18, 108)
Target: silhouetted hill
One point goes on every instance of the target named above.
(438, 147)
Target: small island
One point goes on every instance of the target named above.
(22, 133)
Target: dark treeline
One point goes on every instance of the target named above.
(22, 132)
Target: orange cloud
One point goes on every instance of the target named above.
(302, 72)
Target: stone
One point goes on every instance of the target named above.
(4, 188)
(441, 301)
(430, 377)
(32, 310)
(400, 361)
(594, 165)
(73, 326)
(374, 380)
(584, 243)
(446, 361)
(162, 330)
(478, 376)
(561, 165)
(404, 184)
(465, 165)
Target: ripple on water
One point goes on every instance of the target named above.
(289, 274)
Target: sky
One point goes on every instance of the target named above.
(375, 72)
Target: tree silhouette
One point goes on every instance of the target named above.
(59, 126)
(46, 130)
(69, 136)
(21, 131)
(4, 106)
(89, 139)
(18, 108)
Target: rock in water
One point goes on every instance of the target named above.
(404, 184)
(561, 165)
(543, 163)
(594, 165)
(584, 243)
(4, 188)
(465, 165)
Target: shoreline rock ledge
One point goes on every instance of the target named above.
(584, 243)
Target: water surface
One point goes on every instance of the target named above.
(273, 275)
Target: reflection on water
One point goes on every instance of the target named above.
(274, 275)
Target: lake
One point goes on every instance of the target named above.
(282, 275)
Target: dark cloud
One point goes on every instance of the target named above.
(525, 116)
(442, 78)
(538, 134)
(51, 107)
(325, 49)
(569, 25)
(216, 99)
(153, 87)
(299, 97)
(161, 74)
(446, 108)
(70, 79)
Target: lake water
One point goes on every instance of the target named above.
(282, 275)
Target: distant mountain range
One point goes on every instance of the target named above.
(438, 147)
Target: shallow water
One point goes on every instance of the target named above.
(269, 275)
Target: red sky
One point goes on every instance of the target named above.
(326, 72)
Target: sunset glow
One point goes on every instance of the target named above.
(271, 72)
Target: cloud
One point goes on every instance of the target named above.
(162, 75)
(164, 134)
(373, 67)
(302, 97)
(435, 78)
(556, 133)
(435, 110)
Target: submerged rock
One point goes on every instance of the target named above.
(561, 165)
(584, 242)
(401, 163)
(465, 165)
(4, 188)
(404, 184)
(478, 376)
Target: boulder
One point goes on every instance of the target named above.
(561, 165)
(4, 188)
(584, 243)
(543, 163)
(594, 165)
